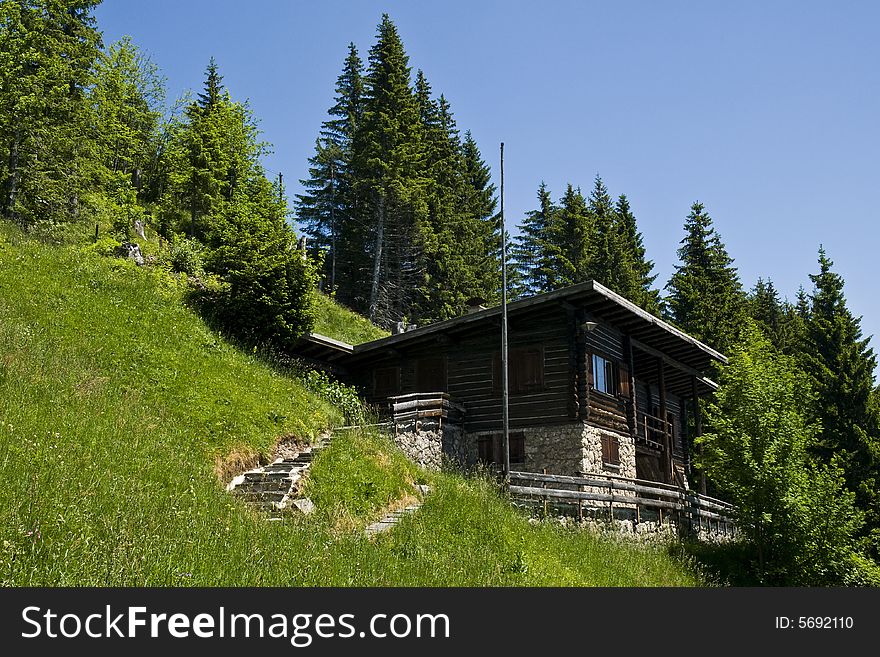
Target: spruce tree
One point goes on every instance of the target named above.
(705, 294)
(642, 292)
(479, 207)
(389, 183)
(530, 252)
(841, 364)
(610, 262)
(570, 240)
(326, 209)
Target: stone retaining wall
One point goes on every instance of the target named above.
(429, 443)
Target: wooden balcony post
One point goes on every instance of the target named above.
(667, 438)
(698, 429)
(633, 416)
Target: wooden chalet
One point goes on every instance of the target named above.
(596, 384)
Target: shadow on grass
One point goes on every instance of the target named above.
(727, 564)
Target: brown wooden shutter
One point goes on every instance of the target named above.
(517, 447)
(610, 449)
(625, 390)
(431, 374)
(387, 381)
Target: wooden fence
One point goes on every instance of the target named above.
(611, 493)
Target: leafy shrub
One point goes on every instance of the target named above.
(342, 396)
(185, 256)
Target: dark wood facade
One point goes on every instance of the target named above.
(580, 354)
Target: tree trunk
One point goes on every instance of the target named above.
(377, 260)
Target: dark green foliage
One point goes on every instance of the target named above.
(400, 205)
(327, 208)
(580, 239)
(530, 252)
(217, 193)
(608, 263)
(267, 285)
(641, 279)
(841, 365)
(798, 515)
(705, 294)
(779, 320)
(47, 50)
(572, 228)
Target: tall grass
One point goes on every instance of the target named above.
(116, 402)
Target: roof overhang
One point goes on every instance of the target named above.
(652, 337)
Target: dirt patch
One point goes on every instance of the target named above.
(288, 447)
(237, 461)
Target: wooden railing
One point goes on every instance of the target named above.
(651, 431)
(418, 405)
(605, 492)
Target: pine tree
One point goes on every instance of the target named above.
(610, 263)
(570, 239)
(389, 181)
(327, 207)
(841, 364)
(705, 294)
(479, 206)
(530, 252)
(47, 50)
(212, 94)
(779, 320)
(642, 292)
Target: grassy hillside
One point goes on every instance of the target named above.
(117, 408)
(341, 323)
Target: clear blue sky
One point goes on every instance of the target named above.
(765, 112)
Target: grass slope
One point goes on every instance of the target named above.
(115, 404)
(340, 323)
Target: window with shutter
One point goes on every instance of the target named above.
(386, 381)
(610, 449)
(604, 377)
(624, 388)
(431, 375)
(525, 370)
(490, 448)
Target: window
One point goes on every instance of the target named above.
(610, 450)
(431, 374)
(490, 448)
(603, 375)
(386, 381)
(525, 370)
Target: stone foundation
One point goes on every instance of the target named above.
(566, 449)
(430, 443)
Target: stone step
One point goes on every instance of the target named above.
(260, 486)
(263, 496)
(273, 487)
(267, 476)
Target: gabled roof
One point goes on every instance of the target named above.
(650, 333)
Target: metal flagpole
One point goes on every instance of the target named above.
(505, 419)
